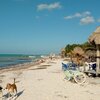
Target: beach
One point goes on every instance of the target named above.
(49, 50)
(46, 81)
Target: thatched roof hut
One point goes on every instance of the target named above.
(95, 37)
(90, 53)
(78, 54)
(95, 40)
(78, 50)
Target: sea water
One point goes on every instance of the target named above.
(7, 60)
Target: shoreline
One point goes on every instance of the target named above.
(15, 60)
(46, 81)
(20, 66)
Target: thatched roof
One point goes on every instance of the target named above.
(78, 50)
(90, 48)
(95, 37)
(90, 53)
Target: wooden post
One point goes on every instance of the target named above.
(98, 59)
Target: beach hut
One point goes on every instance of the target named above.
(78, 55)
(90, 55)
(78, 50)
(95, 40)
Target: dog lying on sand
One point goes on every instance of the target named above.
(12, 88)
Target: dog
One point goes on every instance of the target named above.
(12, 88)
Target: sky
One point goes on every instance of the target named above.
(44, 26)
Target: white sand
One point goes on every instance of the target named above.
(49, 84)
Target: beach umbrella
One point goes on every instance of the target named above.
(95, 40)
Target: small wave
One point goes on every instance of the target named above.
(32, 56)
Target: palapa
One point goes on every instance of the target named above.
(95, 40)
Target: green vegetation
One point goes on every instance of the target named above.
(85, 46)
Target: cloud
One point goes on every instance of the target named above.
(98, 20)
(87, 20)
(84, 17)
(68, 17)
(78, 15)
(51, 6)
(86, 13)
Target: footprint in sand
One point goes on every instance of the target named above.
(59, 94)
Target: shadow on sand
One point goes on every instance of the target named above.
(6, 96)
(19, 93)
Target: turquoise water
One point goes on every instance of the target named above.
(6, 60)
